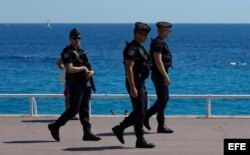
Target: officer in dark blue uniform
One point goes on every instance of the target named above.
(137, 68)
(78, 74)
(161, 61)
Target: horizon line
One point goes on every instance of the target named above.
(7, 23)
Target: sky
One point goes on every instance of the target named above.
(124, 11)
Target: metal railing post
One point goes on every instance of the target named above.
(208, 103)
(148, 103)
(31, 106)
(34, 106)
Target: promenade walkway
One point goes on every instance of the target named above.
(30, 136)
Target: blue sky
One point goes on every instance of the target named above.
(124, 11)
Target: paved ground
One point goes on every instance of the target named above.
(29, 135)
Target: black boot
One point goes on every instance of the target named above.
(142, 143)
(164, 129)
(89, 136)
(54, 130)
(118, 131)
(146, 123)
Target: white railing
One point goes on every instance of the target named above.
(33, 104)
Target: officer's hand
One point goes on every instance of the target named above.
(166, 81)
(133, 92)
(90, 74)
(86, 70)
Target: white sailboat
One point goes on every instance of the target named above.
(48, 25)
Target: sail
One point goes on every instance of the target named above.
(48, 25)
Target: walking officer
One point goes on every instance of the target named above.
(161, 61)
(136, 61)
(78, 73)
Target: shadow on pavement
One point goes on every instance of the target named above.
(28, 141)
(38, 121)
(125, 133)
(112, 134)
(101, 148)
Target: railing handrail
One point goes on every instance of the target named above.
(246, 96)
(208, 97)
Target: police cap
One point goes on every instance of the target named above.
(74, 33)
(139, 26)
(164, 25)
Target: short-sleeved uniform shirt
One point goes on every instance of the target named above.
(137, 53)
(158, 45)
(72, 55)
(130, 51)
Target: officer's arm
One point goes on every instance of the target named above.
(72, 69)
(129, 72)
(159, 64)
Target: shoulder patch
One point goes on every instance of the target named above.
(131, 52)
(66, 55)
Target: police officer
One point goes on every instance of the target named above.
(161, 61)
(136, 61)
(77, 76)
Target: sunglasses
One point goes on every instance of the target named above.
(143, 33)
(75, 38)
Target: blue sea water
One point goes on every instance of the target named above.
(202, 55)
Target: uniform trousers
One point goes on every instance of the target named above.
(162, 93)
(139, 104)
(79, 102)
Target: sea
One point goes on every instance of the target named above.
(207, 59)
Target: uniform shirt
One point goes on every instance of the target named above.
(130, 51)
(68, 56)
(137, 53)
(158, 45)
